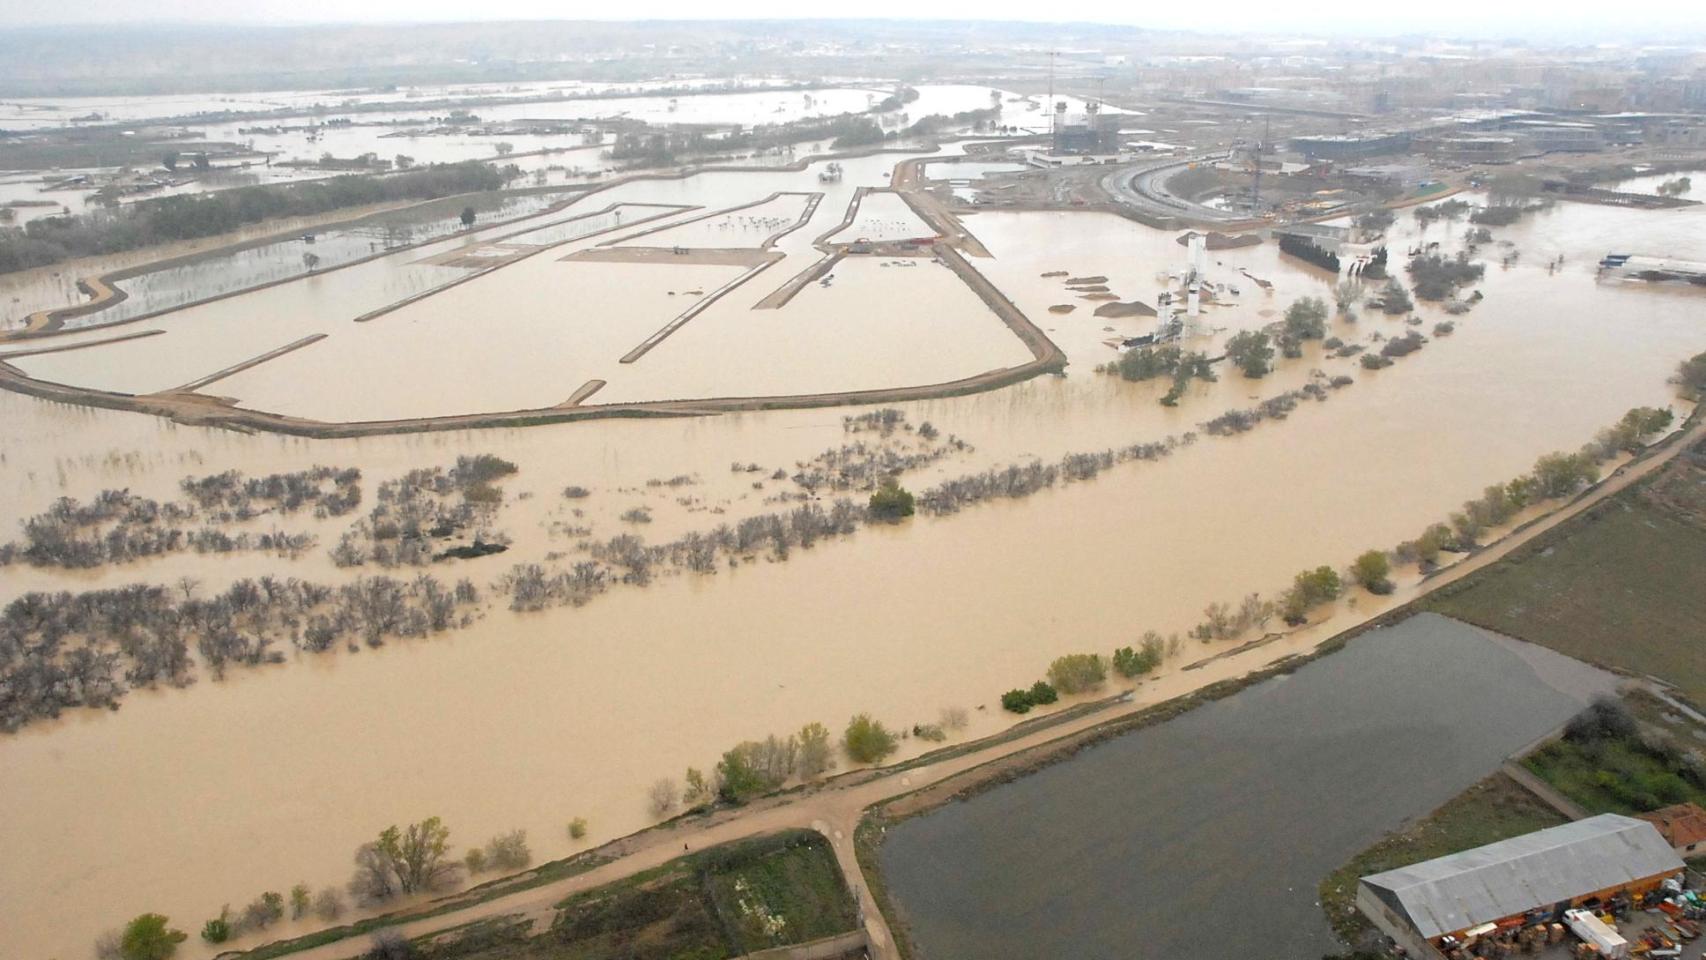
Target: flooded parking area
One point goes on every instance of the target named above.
(1198, 838)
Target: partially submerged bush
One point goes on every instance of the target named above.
(867, 740)
(891, 502)
(1373, 570)
(1077, 672)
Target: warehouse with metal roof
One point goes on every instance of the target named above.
(1533, 877)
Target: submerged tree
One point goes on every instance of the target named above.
(1306, 319)
(1252, 352)
(891, 501)
(1373, 570)
(149, 937)
(412, 860)
(867, 740)
(1077, 672)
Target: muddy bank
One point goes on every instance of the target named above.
(1119, 309)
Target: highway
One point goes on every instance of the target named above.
(1145, 189)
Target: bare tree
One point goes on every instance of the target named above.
(662, 797)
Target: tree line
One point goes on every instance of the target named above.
(160, 220)
(60, 651)
(117, 526)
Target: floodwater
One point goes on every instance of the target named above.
(275, 775)
(542, 326)
(214, 276)
(1206, 836)
(883, 216)
(1650, 184)
(879, 322)
(968, 170)
(749, 226)
(523, 345)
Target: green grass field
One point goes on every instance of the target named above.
(722, 902)
(1613, 776)
(1494, 809)
(1623, 586)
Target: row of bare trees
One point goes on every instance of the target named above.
(64, 650)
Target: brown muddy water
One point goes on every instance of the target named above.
(226, 789)
(1205, 837)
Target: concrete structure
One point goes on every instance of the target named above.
(1529, 879)
(1090, 132)
(1683, 825)
(1546, 136)
(1472, 148)
(1351, 146)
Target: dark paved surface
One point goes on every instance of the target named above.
(1206, 836)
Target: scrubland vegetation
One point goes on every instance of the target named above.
(1149, 363)
(419, 513)
(64, 650)
(117, 526)
(1609, 762)
(1436, 277)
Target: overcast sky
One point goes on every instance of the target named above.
(1676, 20)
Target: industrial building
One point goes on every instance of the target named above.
(1351, 146)
(1527, 880)
(1461, 148)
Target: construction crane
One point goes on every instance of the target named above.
(1255, 155)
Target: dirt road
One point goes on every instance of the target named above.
(834, 808)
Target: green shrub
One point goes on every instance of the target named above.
(867, 740)
(1017, 701)
(1042, 694)
(148, 937)
(1373, 570)
(1130, 663)
(217, 930)
(891, 501)
(1077, 672)
(1691, 374)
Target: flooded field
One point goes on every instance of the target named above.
(492, 294)
(754, 225)
(883, 216)
(274, 775)
(1202, 837)
(570, 324)
(214, 276)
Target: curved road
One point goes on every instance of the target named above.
(835, 807)
(1145, 188)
